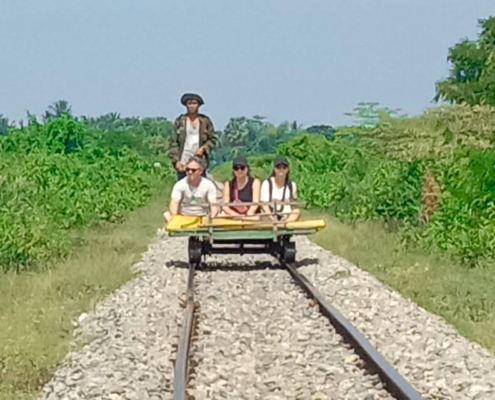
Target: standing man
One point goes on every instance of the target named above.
(193, 136)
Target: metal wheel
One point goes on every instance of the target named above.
(289, 252)
(195, 250)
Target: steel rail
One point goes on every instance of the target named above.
(394, 382)
(181, 364)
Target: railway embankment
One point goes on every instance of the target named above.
(257, 334)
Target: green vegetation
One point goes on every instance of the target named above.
(37, 308)
(372, 176)
(67, 233)
(473, 72)
(247, 136)
(62, 176)
(454, 147)
(437, 134)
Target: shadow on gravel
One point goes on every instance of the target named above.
(230, 266)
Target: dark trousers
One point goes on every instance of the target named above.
(182, 175)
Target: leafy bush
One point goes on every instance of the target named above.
(352, 182)
(57, 177)
(438, 133)
(464, 223)
(455, 144)
(355, 183)
(345, 178)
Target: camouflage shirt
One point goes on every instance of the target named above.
(207, 137)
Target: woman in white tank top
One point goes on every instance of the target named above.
(278, 186)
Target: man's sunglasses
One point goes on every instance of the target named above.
(239, 167)
(281, 166)
(192, 170)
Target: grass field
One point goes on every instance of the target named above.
(37, 308)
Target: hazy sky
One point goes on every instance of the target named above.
(307, 60)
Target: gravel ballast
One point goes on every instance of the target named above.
(131, 335)
(433, 357)
(260, 337)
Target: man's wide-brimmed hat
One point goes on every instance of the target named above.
(191, 96)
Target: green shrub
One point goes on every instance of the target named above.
(60, 176)
(352, 182)
(464, 223)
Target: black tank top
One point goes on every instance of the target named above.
(245, 194)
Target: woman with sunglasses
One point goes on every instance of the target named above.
(278, 186)
(241, 189)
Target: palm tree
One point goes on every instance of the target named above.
(4, 125)
(236, 131)
(56, 110)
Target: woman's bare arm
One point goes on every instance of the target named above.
(226, 199)
(293, 216)
(295, 213)
(256, 196)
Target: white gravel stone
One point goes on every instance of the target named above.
(130, 335)
(261, 333)
(260, 337)
(431, 355)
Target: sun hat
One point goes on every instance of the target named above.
(241, 161)
(281, 160)
(191, 96)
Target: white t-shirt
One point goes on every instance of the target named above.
(186, 193)
(277, 193)
(192, 142)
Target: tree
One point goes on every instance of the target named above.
(367, 115)
(472, 76)
(325, 130)
(247, 133)
(56, 110)
(4, 125)
(31, 118)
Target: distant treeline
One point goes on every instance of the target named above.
(241, 136)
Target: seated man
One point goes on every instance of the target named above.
(191, 190)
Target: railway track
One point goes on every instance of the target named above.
(256, 335)
(181, 363)
(392, 381)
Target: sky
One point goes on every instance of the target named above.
(308, 60)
